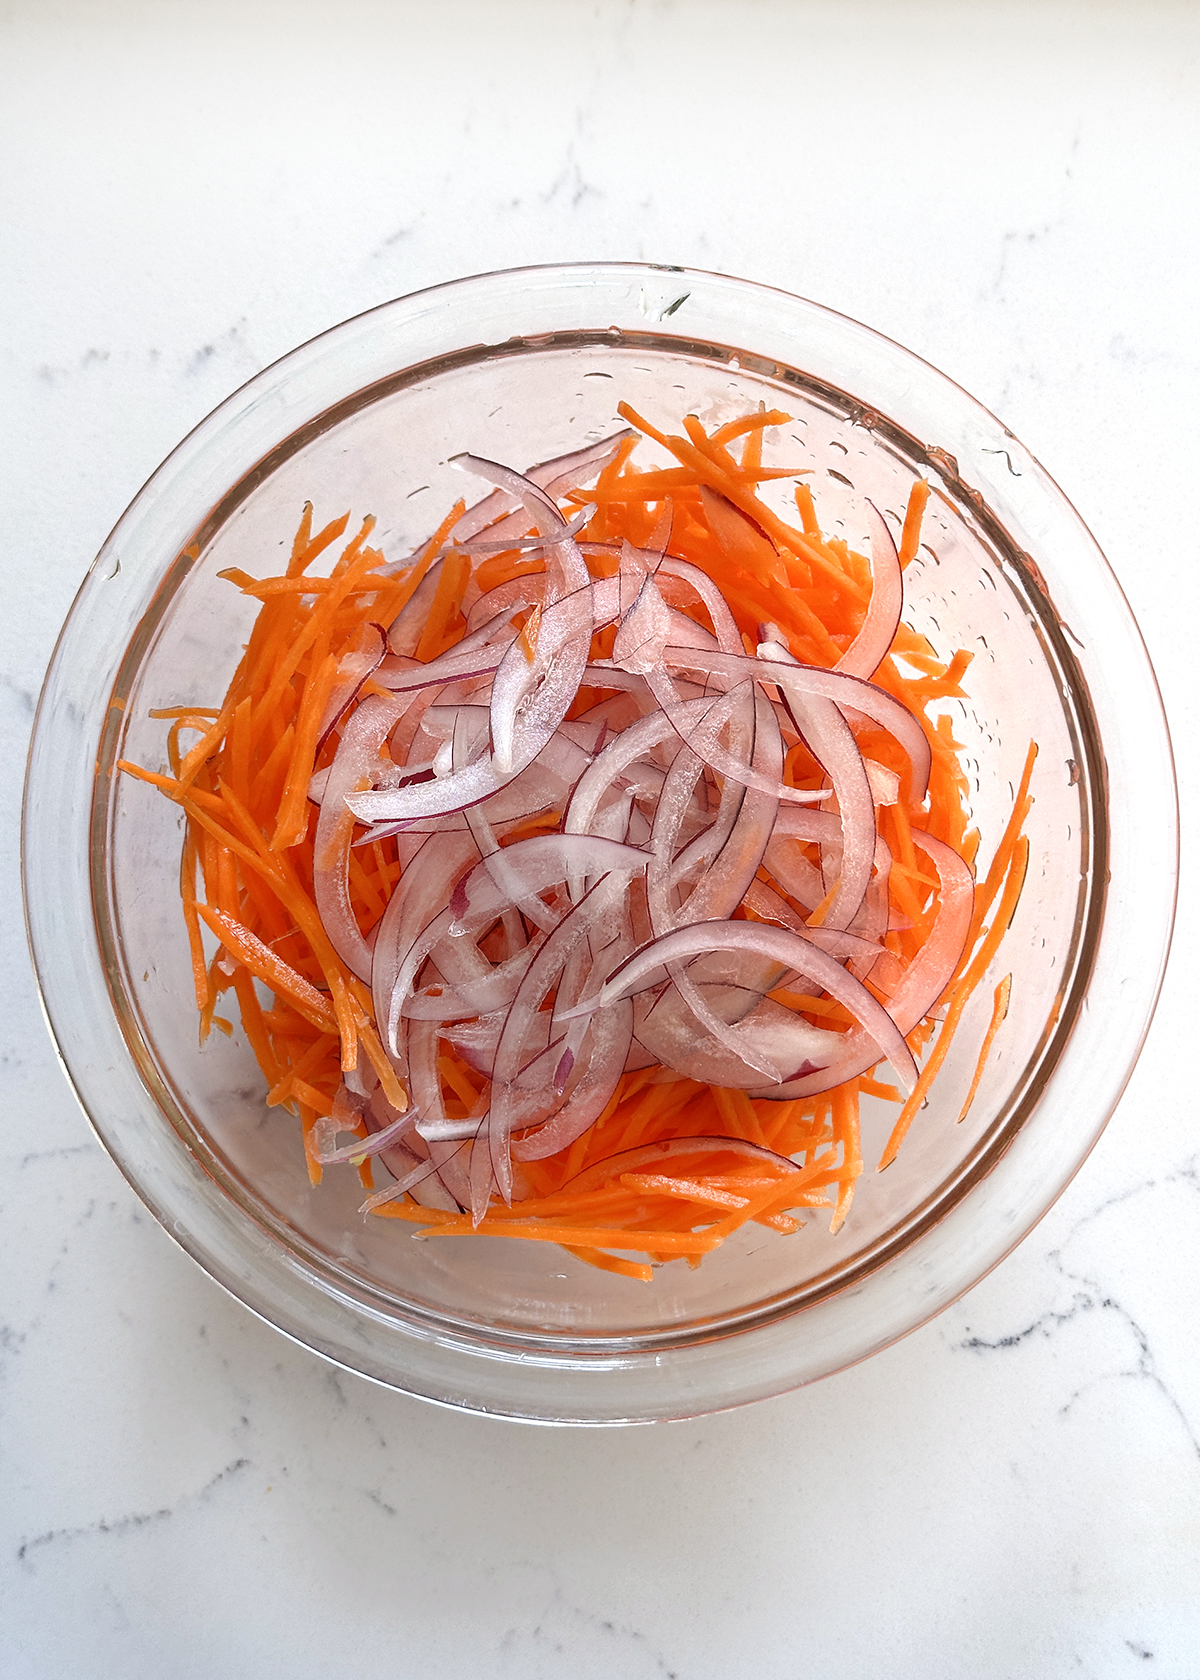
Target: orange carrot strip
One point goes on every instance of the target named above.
(262, 589)
(294, 809)
(845, 1124)
(289, 661)
(751, 423)
(784, 535)
(784, 1192)
(686, 1189)
(363, 884)
(581, 1203)
(960, 992)
(187, 882)
(808, 1005)
(999, 1011)
(456, 569)
(528, 639)
(503, 568)
(873, 1088)
(392, 602)
(612, 1263)
(665, 1242)
(393, 1090)
(455, 1075)
(911, 535)
(280, 875)
(308, 1121)
(306, 548)
(818, 916)
(312, 1057)
(752, 449)
(194, 722)
(303, 535)
(247, 948)
(254, 1026)
(200, 752)
(985, 893)
(308, 1094)
(807, 511)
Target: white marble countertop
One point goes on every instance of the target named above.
(191, 189)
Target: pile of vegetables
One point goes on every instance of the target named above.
(586, 868)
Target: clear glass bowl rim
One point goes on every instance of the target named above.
(646, 1385)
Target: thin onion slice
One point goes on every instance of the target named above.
(780, 945)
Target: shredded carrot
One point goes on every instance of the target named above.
(265, 965)
(247, 864)
(653, 1242)
(999, 1011)
(911, 535)
(960, 993)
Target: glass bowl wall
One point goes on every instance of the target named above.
(520, 367)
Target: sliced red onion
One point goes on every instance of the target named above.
(780, 945)
(446, 1155)
(870, 647)
(848, 692)
(588, 1085)
(884, 783)
(559, 657)
(735, 1037)
(833, 745)
(735, 531)
(474, 903)
(363, 1148)
(482, 779)
(500, 544)
(595, 1076)
(533, 709)
(736, 860)
(679, 584)
(355, 761)
(767, 904)
(723, 622)
(645, 627)
(345, 1116)
(404, 632)
(481, 994)
(425, 888)
(409, 678)
(564, 472)
(669, 697)
(475, 1040)
(923, 983)
(356, 666)
(537, 864)
(424, 1172)
(566, 569)
(406, 1159)
(536, 789)
(776, 1034)
(507, 600)
(629, 746)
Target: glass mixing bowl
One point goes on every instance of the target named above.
(521, 366)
